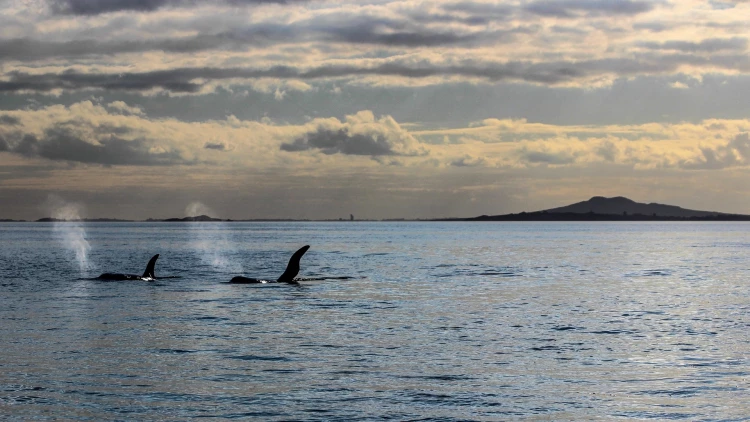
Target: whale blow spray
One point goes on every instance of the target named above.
(71, 233)
(211, 241)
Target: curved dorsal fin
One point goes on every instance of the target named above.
(292, 269)
(150, 267)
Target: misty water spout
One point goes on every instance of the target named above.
(210, 240)
(71, 232)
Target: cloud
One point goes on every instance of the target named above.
(734, 153)
(710, 45)
(190, 47)
(481, 12)
(263, 34)
(194, 80)
(72, 80)
(124, 108)
(96, 7)
(547, 157)
(721, 5)
(120, 134)
(359, 134)
(572, 8)
(89, 133)
(468, 160)
(218, 146)
(60, 144)
(652, 26)
(341, 28)
(679, 85)
(387, 31)
(340, 141)
(607, 150)
(92, 133)
(8, 120)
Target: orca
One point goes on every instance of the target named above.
(148, 275)
(292, 269)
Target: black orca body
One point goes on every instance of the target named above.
(292, 269)
(148, 275)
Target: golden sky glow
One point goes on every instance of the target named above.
(316, 109)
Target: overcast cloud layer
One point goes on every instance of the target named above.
(318, 109)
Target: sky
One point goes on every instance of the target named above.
(314, 109)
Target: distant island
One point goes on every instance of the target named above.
(618, 208)
(196, 218)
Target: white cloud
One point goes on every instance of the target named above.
(125, 108)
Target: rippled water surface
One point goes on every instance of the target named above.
(442, 321)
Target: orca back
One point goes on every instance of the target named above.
(292, 268)
(113, 277)
(247, 280)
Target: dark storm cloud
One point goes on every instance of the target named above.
(59, 143)
(710, 45)
(9, 120)
(734, 153)
(573, 8)
(341, 141)
(96, 7)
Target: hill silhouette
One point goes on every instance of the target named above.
(622, 205)
(617, 208)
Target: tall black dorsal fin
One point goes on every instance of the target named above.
(150, 267)
(292, 269)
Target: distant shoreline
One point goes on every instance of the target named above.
(598, 208)
(548, 216)
(519, 217)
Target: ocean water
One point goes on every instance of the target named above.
(441, 321)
